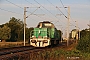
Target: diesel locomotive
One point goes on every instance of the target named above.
(45, 34)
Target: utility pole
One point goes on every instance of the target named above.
(61, 34)
(68, 25)
(77, 29)
(89, 25)
(24, 23)
(79, 33)
(25, 20)
(68, 22)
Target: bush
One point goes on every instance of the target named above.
(84, 43)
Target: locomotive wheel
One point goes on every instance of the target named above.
(57, 42)
(52, 42)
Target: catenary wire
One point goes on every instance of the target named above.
(40, 8)
(47, 10)
(67, 12)
(15, 4)
(10, 11)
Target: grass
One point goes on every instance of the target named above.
(10, 44)
(67, 53)
(62, 54)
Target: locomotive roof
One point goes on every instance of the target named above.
(47, 22)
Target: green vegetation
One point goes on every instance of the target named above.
(84, 43)
(16, 27)
(60, 54)
(13, 30)
(5, 32)
(10, 44)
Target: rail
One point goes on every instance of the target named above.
(15, 52)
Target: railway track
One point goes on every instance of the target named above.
(24, 55)
(15, 50)
(24, 52)
(18, 53)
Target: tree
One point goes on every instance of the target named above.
(16, 29)
(28, 31)
(5, 33)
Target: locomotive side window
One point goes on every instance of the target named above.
(39, 25)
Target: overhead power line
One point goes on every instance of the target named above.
(33, 12)
(50, 3)
(19, 6)
(63, 6)
(61, 12)
(10, 11)
(57, 8)
(28, 2)
(49, 11)
(45, 9)
(35, 6)
(14, 4)
(38, 15)
(43, 6)
(31, 3)
(66, 11)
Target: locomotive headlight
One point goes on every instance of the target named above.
(45, 37)
(45, 41)
(33, 41)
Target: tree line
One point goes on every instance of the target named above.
(84, 41)
(13, 30)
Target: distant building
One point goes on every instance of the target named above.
(74, 34)
(0, 40)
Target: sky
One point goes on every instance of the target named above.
(79, 11)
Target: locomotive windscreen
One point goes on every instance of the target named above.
(45, 24)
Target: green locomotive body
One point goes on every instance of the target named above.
(44, 34)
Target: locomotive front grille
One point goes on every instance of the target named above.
(40, 42)
(33, 41)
